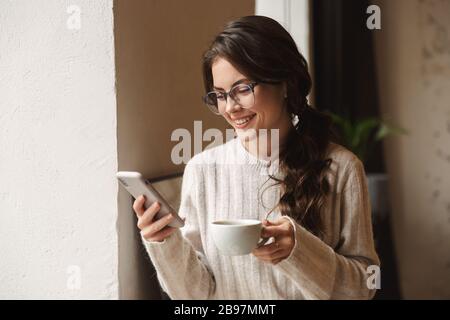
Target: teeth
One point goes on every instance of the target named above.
(242, 121)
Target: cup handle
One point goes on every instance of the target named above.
(262, 242)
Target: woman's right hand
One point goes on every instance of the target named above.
(152, 230)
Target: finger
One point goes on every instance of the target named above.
(138, 205)
(272, 231)
(148, 215)
(162, 234)
(276, 261)
(274, 222)
(278, 255)
(283, 229)
(271, 255)
(157, 225)
(267, 250)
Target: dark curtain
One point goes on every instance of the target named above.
(344, 77)
(345, 83)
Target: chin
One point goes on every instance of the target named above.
(248, 134)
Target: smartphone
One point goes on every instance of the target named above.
(135, 184)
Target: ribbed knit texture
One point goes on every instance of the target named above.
(226, 182)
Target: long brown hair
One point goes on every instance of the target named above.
(260, 48)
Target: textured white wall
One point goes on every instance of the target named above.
(58, 151)
(413, 51)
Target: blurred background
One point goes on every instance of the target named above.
(89, 88)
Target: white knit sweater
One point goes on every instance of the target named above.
(226, 182)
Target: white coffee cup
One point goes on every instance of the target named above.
(237, 237)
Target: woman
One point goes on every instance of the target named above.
(321, 228)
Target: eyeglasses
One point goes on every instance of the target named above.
(243, 94)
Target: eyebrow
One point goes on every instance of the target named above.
(236, 83)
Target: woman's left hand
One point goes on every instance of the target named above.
(283, 232)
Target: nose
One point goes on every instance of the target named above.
(231, 105)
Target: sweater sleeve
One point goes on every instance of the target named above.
(322, 272)
(179, 260)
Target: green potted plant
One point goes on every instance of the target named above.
(361, 136)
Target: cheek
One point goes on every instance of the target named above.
(268, 104)
(266, 113)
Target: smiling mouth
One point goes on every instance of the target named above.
(242, 122)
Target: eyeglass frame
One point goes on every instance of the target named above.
(252, 86)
